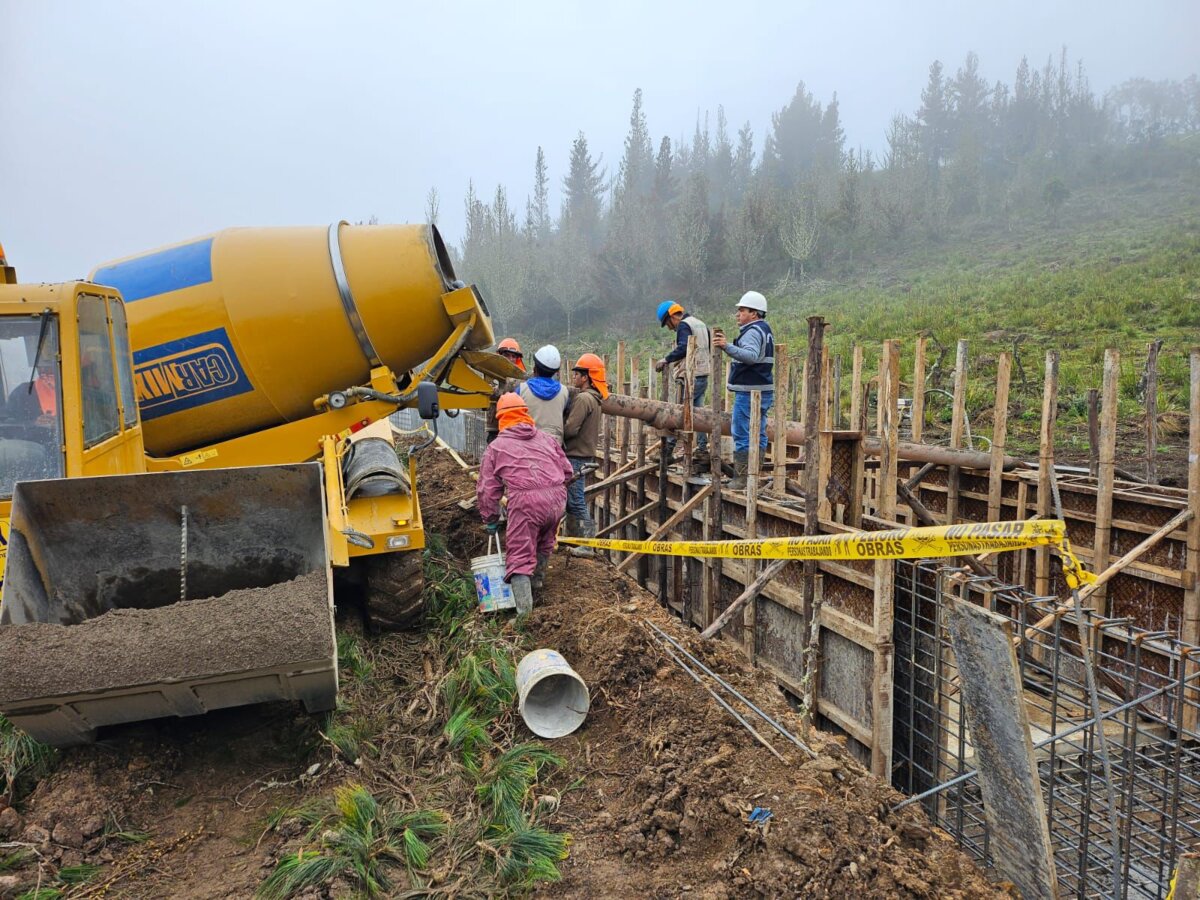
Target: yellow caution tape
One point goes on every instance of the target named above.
(898, 543)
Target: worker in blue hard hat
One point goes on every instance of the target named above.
(672, 315)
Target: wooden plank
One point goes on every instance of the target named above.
(715, 506)
(999, 436)
(1045, 506)
(1108, 456)
(994, 701)
(1093, 409)
(1152, 411)
(958, 417)
(885, 571)
(813, 378)
(779, 449)
(856, 396)
(750, 613)
(918, 398)
(1191, 597)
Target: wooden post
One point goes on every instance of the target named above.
(856, 394)
(1191, 596)
(664, 508)
(622, 384)
(918, 397)
(957, 421)
(811, 615)
(750, 615)
(1152, 411)
(1093, 411)
(999, 437)
(1045, 503)
(885, 570)
(714, 520)
(779, 449)
(642, 428)
(689, 393)
(1108, 461)
(608, 470)
(803, 394)
(879, 398)
(837, 393)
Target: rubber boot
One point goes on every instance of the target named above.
(586, 531)
(522, 592)
(538, 581)
(570, 526)
(741, 467)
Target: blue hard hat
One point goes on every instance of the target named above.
(666, 308)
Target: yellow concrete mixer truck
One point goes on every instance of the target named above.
(186, 450)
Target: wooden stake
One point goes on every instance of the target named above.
(640, 463)
(837, 392)
(1152, 411)
(779, 449)
(608, 471)
(1108, 454)
(714, 521)
(750, 616)
(856, 395)
(918, 398)
(744, 598)
(622, 424)
(661, 531)
(885, 570)
(1093, 410)
(999, 436)
(1045, 503)
(1191, 596)
(958, 417)
(811, 616)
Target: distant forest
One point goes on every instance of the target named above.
(693, 220)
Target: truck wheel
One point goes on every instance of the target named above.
(395, 590)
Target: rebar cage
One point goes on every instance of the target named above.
(1123, 842)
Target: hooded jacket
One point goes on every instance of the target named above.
(581, 431)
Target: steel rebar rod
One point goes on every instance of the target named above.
(707, 671)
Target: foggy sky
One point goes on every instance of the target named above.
(126, 125)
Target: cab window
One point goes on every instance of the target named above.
(31, 444)
(101, 418)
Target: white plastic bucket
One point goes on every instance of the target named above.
(493, 591)
(553, 699)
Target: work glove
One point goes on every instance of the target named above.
(491, 527)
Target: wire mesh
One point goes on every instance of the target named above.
(1152, 743)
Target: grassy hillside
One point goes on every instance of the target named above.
(1120, 269)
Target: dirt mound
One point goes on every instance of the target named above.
(671, 776)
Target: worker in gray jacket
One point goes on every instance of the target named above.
(752, 369)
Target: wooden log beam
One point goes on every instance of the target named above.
(669, 416)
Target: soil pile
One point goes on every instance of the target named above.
(283, 624)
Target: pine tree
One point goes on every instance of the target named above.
(637, 165)
(540, 206)
(934, 119)
(583, 190)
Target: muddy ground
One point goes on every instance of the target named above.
(655, 792)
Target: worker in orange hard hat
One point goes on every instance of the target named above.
(510, 350)
(580, 433)
(530, 467)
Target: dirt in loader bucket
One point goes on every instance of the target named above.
(139, 596)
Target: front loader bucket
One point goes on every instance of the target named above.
(133, 597)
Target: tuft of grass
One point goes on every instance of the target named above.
(509, 780)
(81, 874)
(14, 860)
(23, 760)
(526, 854)
(360, 839)
(352, 660)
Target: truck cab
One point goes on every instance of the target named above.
(67, 403)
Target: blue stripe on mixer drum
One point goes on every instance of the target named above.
(186, 373)
(161, 272)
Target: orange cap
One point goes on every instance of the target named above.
(510, 400)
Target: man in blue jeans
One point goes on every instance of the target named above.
(752, 369)
(671, 315)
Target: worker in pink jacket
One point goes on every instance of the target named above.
(532, 469)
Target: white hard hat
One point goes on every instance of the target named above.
(548, 356)
(753, 300)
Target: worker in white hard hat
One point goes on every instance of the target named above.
(752, 369)
(544, 394)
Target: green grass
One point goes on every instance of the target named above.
(1121, 270)
(23, 761)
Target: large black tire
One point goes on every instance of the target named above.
(395, 590)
